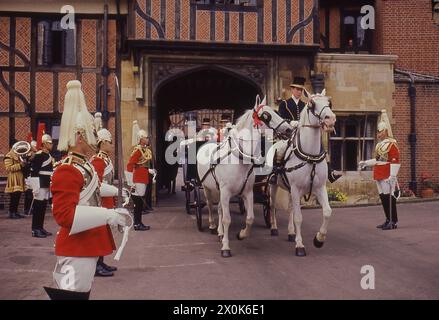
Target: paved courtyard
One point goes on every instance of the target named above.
(175, 261)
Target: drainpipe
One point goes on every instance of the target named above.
(105, 70)
(412, 136)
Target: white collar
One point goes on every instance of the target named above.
(295, 100)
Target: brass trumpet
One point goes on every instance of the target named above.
(22, 149)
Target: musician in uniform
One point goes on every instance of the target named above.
(83, 236)
(104, 168)
(137, 173)
(14, 162)
(41, 172)
(291, 108)
(385, 171)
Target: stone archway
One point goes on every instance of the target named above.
(199, 87)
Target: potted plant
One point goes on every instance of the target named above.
(427, 186)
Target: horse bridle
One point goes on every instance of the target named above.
(266, 119)
(318, 116)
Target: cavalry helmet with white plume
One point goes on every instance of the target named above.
(104, 135)
(98, 121)
(46, 138)
(384, 124)
(75, 119)
(137, 134)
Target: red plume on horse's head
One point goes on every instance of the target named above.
(258, 106)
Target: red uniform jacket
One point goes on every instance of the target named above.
(67, 183)
(140, 172)
(381, 172)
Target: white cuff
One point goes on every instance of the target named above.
(394, 169)
(107, 190)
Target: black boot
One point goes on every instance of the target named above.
(36, 219)
(102, 272)
(13, 215)
(28, 197)
(385, 204)
(60, 294)
(42, 216)
(106, 266)
(392, 224)
(332, 176)
(138, 208)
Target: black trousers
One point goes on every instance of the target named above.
(148, 195)
(14, 201)
(28, 197)
(39, 212)
(138, 208)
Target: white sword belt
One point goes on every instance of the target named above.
(86, 194)
(45, 173)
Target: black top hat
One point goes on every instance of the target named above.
(298, 82)
(206, 121)
(225, 118)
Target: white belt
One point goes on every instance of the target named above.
(46, 173)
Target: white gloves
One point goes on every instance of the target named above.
(367, 163)
(117, 217)
(294, 123)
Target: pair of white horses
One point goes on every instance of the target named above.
(228, 169)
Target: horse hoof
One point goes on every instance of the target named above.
(238, 236)
(226, 253)
(213, 231)
(300, 252)
(292, 238)
(317, 243)
(274, 232)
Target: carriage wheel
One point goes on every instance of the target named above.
(241, 206)
(267, 213)
(198, 208)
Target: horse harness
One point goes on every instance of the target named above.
(221, 158)
(281, 170)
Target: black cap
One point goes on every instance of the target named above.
(298, 82)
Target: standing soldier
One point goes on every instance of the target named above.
(15, 161)
(385, 171)
(290, 110)
(137, 173)
(104, 168)
(226, 126)
(41, 173)
(83, 234)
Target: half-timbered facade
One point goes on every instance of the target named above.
(175, 56)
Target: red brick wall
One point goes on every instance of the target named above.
(427, 130)
(406, 28)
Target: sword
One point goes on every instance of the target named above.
(125, 229)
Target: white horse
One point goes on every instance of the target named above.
(226, 170)
(304, 170)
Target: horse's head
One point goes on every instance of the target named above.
(320, 106)
(265, 115)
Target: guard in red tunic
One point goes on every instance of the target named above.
(83, 236)
(104, 168)
(385, 171)
(137, 173)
